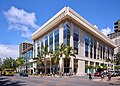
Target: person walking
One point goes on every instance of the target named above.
(90, 76)
(109, 76)
(102, 76)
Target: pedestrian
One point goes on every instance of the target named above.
(102, 76)
(90, 76)
(41, 74)
(109, 76)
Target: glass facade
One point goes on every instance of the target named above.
(103, 51)
(27, 56)
(56, 39)
(76, 39)
(42, 43)
(91, 47)
(95, 45)
(66, 35)
(108, 52)
(38, 45)
(46, 42)
(51, 42)
(86, 45)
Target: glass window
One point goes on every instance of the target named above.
(86, 45)
(103, 51)
(56, 39)
(66, 34)
(95, 45)
(38, 44)
(51, 42)
(108, 52)
(46, 42)
(42, 43)
(91, 47)
(76, 39)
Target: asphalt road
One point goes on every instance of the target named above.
(49, 81)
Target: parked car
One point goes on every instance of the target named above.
(97, 74)
(117, 73)
(113, 73)
(23, 74)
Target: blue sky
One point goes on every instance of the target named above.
(20, 18)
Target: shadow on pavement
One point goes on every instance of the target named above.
(6, 82)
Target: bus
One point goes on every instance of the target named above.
(8, 72)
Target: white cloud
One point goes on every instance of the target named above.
(21, 20)
(106, 31)
(96, 26)
(8, 51)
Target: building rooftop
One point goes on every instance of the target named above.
(68, 13)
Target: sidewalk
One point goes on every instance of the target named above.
(114, 80)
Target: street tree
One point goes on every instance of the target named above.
(68, 52)
(8, 62)
(41, 57)
(55, 58)
(19, 62)
(117, 58)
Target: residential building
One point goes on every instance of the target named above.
(26, 52)
(27, 56)
(23, 46)
(115, 36)
(117, 26)
(68, 27)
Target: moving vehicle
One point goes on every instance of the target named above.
(23, 74)
(97, 74)
(8, 71)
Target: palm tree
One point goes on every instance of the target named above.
(40, 61)
(55, 58)
(44, 53)
(117, 58)
(69, 51)
(61, 51)
(64, 52)
(20, 62)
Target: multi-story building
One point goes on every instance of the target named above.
(68, 27)
(27, 56)
(23, 46)
(115, 36)
(26, 52)
(117, 26)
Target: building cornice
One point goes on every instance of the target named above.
(67, 12)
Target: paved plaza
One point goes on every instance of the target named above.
(55, 81)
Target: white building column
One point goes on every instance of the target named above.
(61, 65)
(94, 66)
(72, 64)
(61, 28)
(35, 48)
(61, 62)
(71, 35)
(88, 71)
(34, 67)
(53, 41)
(81, 67)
